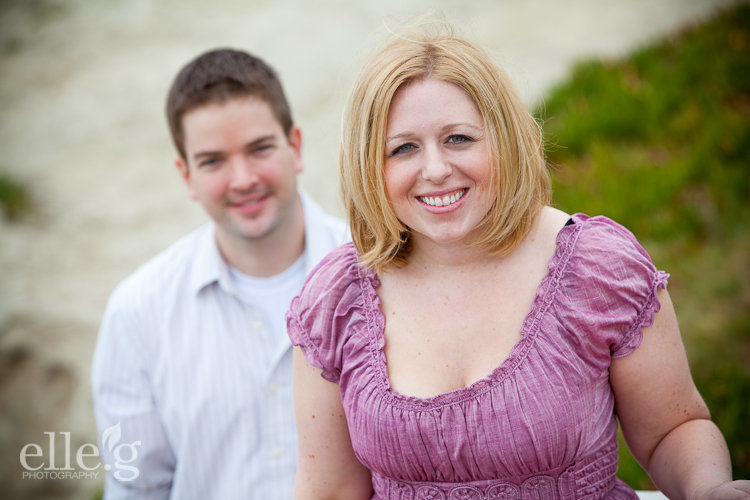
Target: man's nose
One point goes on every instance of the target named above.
(243, 174)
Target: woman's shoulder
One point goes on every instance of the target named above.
(583, 243)
(596, 230)
(340, 268)
(336, 284)
(331, 304)
(601, 240)
(608, 282)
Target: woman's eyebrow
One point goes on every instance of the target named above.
(403, 135)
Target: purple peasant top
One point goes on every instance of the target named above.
(540, 426)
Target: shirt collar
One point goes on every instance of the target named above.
(317, 235)
(210, 267)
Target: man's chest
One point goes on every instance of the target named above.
(223, 365)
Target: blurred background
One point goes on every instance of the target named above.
(645, 107)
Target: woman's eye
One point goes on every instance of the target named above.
(458, 139)
(404, 148)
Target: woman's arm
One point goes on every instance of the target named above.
(327, 467)
(664, 419)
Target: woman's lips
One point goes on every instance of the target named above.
(447, 200)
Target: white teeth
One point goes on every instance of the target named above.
(437, 201)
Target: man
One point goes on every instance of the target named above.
(192, 369)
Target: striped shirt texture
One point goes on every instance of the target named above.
(192, 389)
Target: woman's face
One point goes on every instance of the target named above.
(437, 162)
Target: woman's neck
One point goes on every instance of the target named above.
(431, 256)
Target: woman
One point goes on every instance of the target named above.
(474, 342)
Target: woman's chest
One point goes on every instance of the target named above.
(447, 336)
(534, 416)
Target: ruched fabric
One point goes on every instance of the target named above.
(541, 425)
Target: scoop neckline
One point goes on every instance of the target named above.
(545, 292)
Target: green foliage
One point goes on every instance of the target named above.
(672, 120)
(15, 199)
(628, 469)
(660, 142)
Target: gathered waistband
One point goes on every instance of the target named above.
(588, 478)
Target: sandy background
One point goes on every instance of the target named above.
(82, 88)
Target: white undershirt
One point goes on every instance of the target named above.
(272, 295)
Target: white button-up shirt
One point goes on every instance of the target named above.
(192, 392)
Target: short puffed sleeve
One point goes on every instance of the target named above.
(329, 308)
(607, 290)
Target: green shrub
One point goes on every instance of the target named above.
(15, 199)
(660, 142)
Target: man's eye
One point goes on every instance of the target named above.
(404, 148)
(458, 139)
(208, 162)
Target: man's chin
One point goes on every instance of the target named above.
(255, 232)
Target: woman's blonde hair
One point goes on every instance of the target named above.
(514, 140)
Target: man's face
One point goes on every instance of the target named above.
(241, 167)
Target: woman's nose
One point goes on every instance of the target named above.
(436, 167)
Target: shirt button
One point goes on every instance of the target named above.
(258, 325)
(274, 388)
(278, 453)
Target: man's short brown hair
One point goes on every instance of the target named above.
(217, 76)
